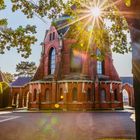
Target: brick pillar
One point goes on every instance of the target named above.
(54, 93)
(111, 94)
(39, 96)
(20, 97)
(97, 95)
(80, 92)
(120, 97)
(65, 95)
(108, 92)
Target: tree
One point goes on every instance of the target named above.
(93, 31)
(25, 69)
(9, 76)
(22, 38)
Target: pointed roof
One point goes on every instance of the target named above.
(61, 23)
(3, 77)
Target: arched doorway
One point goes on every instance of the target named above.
(128, 91)
(125, 98)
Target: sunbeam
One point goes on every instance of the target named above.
(85, 25)
(90, 14)
(73, 22)
(90, 35)
(111, 4)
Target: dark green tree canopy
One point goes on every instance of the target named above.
(25, 69)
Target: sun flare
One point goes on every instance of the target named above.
(96, 11)
(92, 14)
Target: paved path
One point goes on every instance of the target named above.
(66, 126)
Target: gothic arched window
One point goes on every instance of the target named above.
(76, 61)
(52, 61)
(99, 63)
(74, 94)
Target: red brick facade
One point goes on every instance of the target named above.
(75, 83)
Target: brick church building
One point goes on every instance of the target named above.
(68, 79)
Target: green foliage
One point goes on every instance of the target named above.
(25, 69)
(1, 90)
(3, 87)
(4, 94)
(100, 36)
(9, 76)
(2, 5)
(118, 31)
(89, 36)
(19, 38)
(3, 22)
(49, 8)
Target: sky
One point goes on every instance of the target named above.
(8, 61)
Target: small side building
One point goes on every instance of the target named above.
(20, 92)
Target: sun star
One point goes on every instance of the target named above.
(96, 11)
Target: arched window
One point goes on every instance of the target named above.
(74, 94)
(47, 97)
(76, 61)
(115, 95)
(52, 61)
(103, 95)
(89, 98)
(35, 95)
(99, 63)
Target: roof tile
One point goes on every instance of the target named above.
(21, 81)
